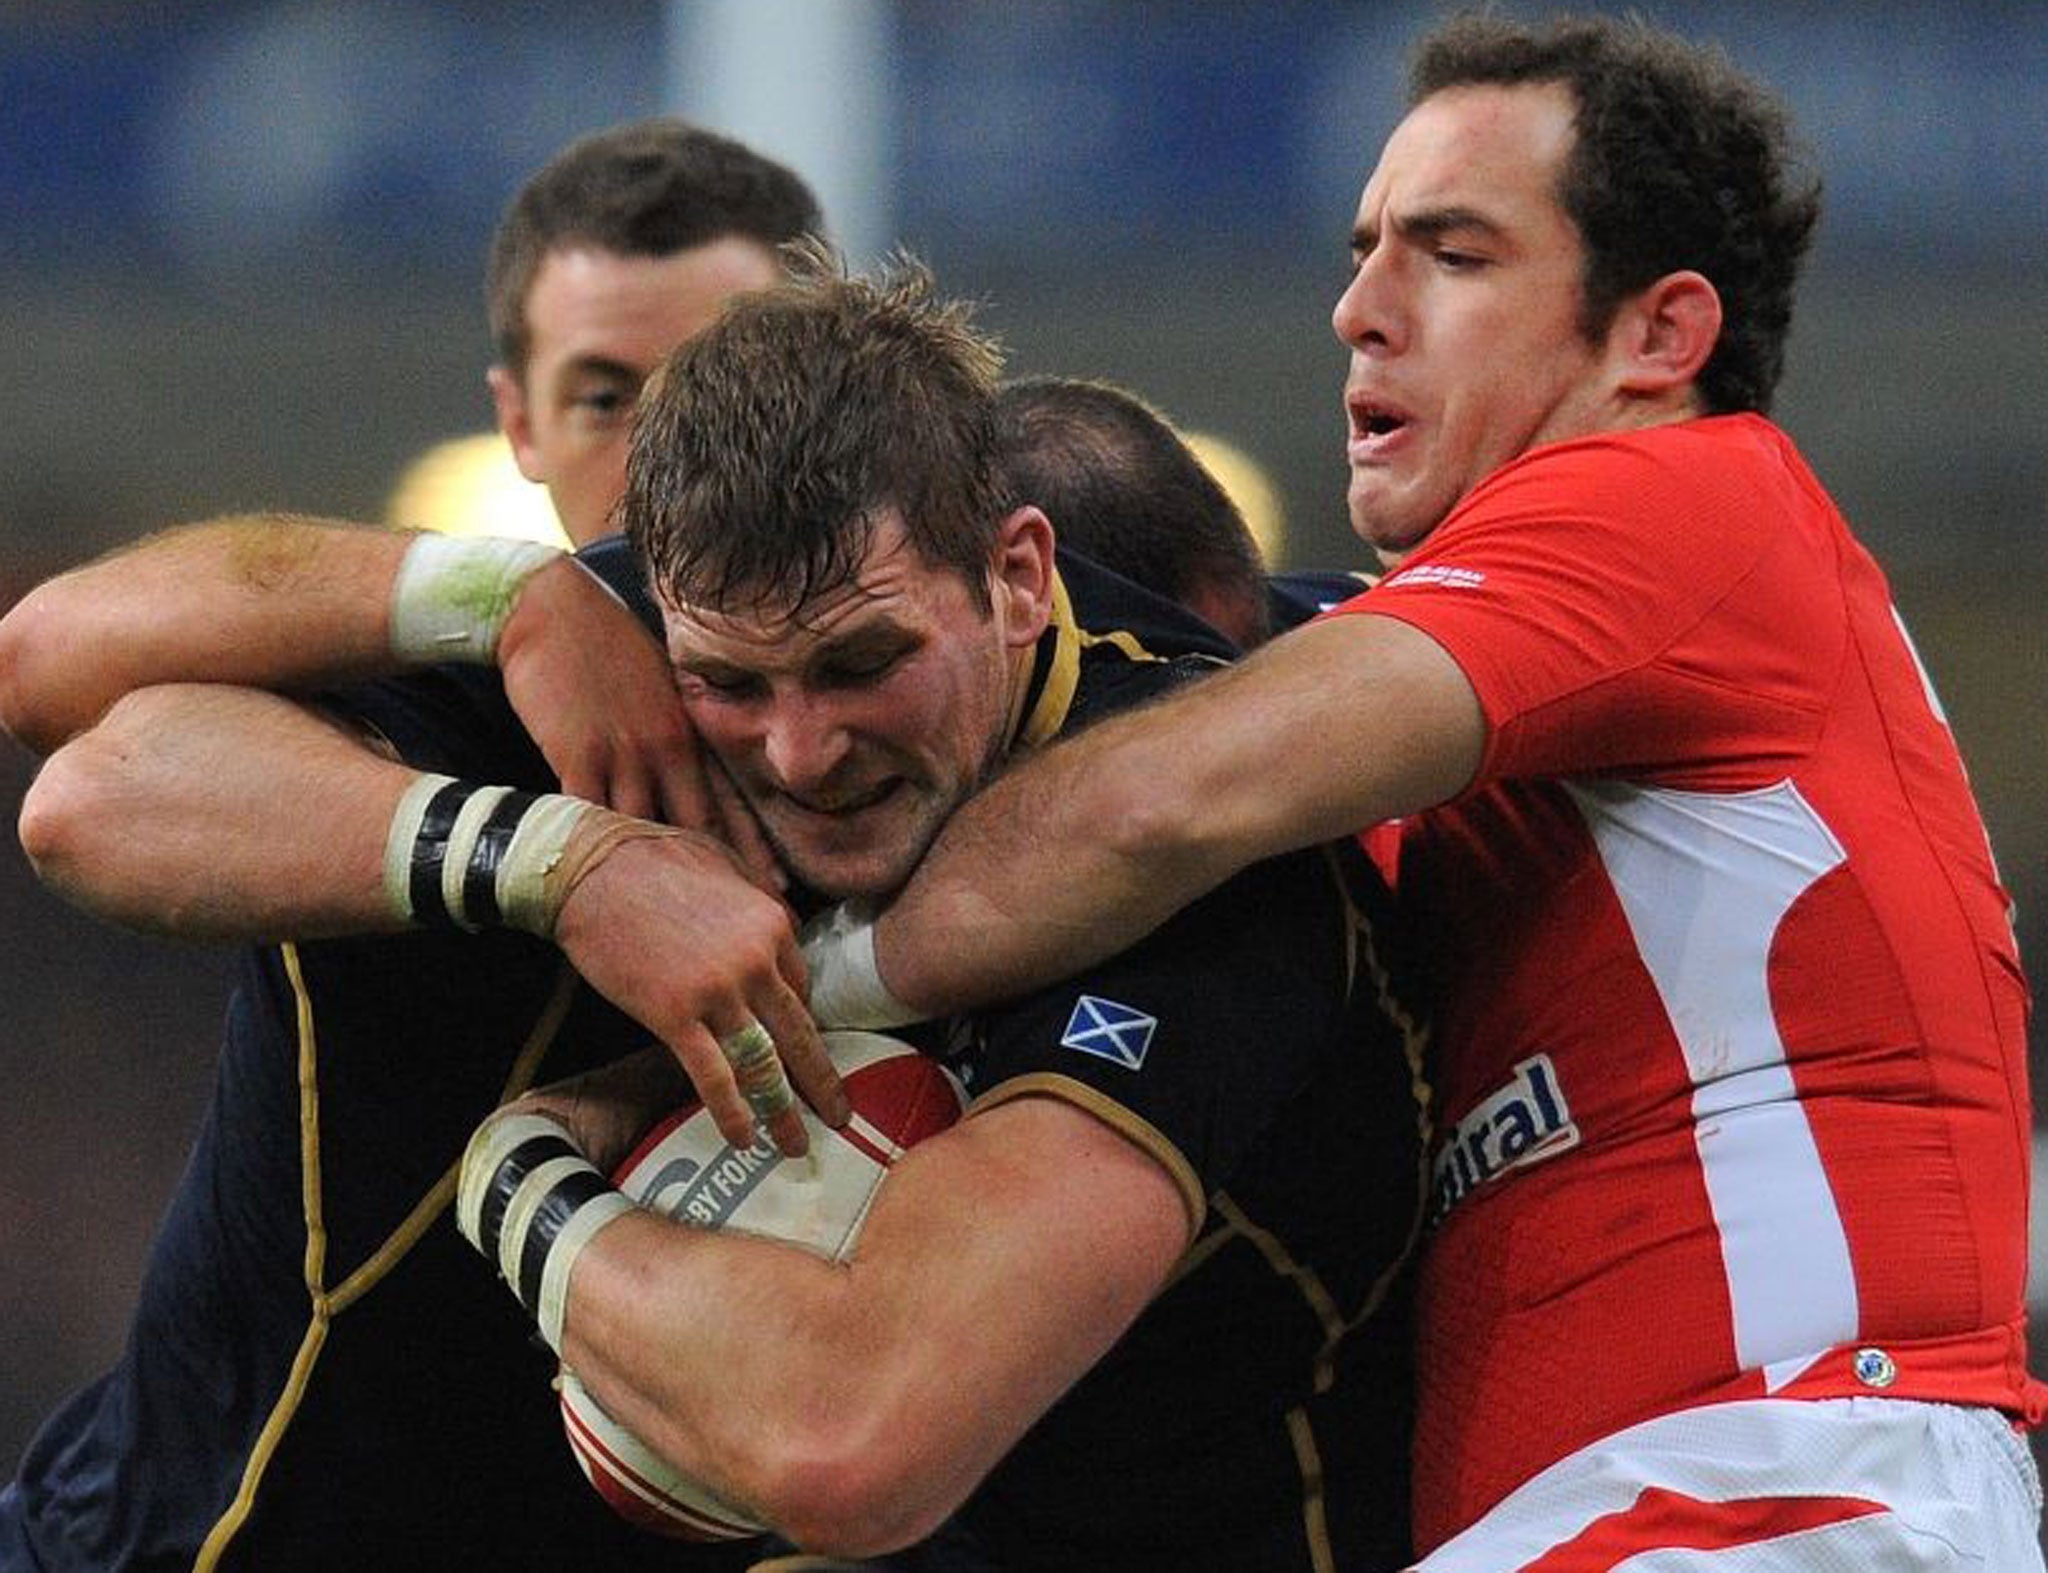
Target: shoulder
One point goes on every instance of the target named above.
(1110, 607)
(1686, 471)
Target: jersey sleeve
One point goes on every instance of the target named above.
(1194, 1041)
(451, 719)
(1632, 605)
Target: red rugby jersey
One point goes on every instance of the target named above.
(1731, 1028)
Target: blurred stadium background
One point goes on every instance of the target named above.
(240, 253)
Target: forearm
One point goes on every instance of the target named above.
(268, 600)
(217, 813)
(1080, 851)
(752, 1367)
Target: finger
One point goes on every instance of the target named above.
(751, 847)
(584, 779)
(633, 791)
(764, 1084)
(684, 800)
(743, 834)
(680, 773)
(705, 1065)
(802, 1051)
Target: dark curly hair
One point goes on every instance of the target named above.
(649, 188)
(767, 449)
(1680, 162)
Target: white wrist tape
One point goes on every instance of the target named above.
(471, 857)
(528, 895)
(453, 595)
(846, 983)
(530, 1202)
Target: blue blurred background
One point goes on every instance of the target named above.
(241, 247)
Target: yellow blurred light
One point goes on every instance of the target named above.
(1250, 487)
(472, 486)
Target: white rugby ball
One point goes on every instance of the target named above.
(684, 1168)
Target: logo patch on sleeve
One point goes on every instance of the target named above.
(1109, 1031)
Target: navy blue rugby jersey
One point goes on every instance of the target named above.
(1256, 1417)
(1296, 596)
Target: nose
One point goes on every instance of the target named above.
(1363, 317)
(803, 743)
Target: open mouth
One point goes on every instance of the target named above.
(1372, 420)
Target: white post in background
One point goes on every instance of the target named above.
(808, 82)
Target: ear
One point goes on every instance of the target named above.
(1665, 334)
(515, 420)
(1021, 576)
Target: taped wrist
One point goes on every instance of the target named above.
(464, 856)
(846, 987)
(529, 1201)
(453, 595)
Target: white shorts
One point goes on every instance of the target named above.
(1841, 1485)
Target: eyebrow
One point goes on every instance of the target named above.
(875, 639)
(1426, 225)
(602, 366)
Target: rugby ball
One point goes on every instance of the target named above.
(682, 1167)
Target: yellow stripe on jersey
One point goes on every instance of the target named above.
(1315, 1523)
(324, 1305)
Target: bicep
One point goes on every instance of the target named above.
(1334, 727)
(1035, 1220)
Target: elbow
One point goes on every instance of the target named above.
(862, 1496)
(865, 1467)
(27, 713)
(62, 814)
(1161, 822)
(54, 667)
(76, 823)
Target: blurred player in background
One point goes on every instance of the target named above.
(1167, 523)
(624, 245)
(317, 1375)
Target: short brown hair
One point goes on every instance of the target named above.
(1680, 161)
(650, 188)
(766, 450)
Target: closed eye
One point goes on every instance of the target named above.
(857, 672)
(722, 684)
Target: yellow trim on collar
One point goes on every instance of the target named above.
(1048, 713)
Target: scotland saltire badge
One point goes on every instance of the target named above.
(1109, 1031)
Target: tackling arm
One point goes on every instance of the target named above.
(293, 605)
(1079, 851)
(270, 600)
(212, 813)
(215, 813)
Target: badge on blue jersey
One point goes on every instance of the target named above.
(1109, 1031)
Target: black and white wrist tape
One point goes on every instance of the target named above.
(464, 856)
(530, 1202)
